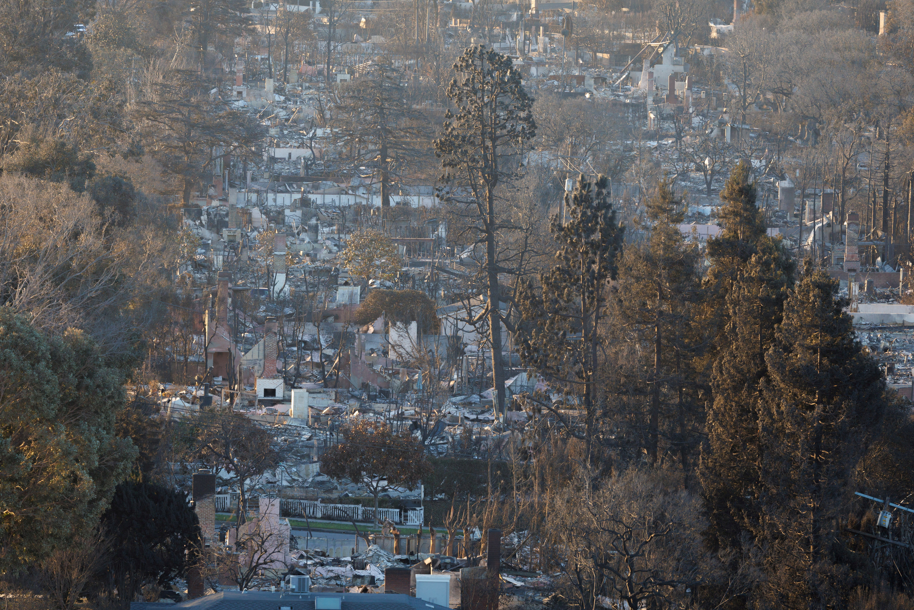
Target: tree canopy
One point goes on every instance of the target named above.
(480, 147)
(60, 458)
(399, 306)
(370, 254)
(230, 441)
(154, 536)
(376, 456)
(560, 336)
(377, 129)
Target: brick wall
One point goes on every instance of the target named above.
(270, 350)
(206, 513)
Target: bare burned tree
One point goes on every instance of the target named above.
(377, 130)
(187, 126)
(230, 441)
(256, 548)
(627, 543)
(66, 572)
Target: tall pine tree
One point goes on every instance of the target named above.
(561, 336)
(481, 148)
(820, 404)
(729, 460)
(658, 290)
(742, 232)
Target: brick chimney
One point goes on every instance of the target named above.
(222, 296)
(204, 492)
(397, 580)
(270, 348)
(671, 90)
(234, 218)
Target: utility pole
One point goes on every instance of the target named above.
(910, 201)
(885, 202)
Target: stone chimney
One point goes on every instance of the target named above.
(851, 250)
(234, 218)
(269, 511)
(279, 266)
(270, 348)
(217, 186)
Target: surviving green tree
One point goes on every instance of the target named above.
(821, 403)
(729, 459)
(60, 458)
(154, 535)
(560, 335)
(656, 298)
(742, 230)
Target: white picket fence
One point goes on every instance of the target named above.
(332, 512)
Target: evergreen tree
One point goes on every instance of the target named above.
(729, 462)
(659, 286)
(154, 534)
(561, 334)
(820, 404)
(742, 233)
(187, 129)
(742, 223)
(38, 36)
(60, 459)
(481, 149)
(215, 24)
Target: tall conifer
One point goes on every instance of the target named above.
(729, 460)
(821, 402)
(560, 336)
(742, 232)
(659, 286)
